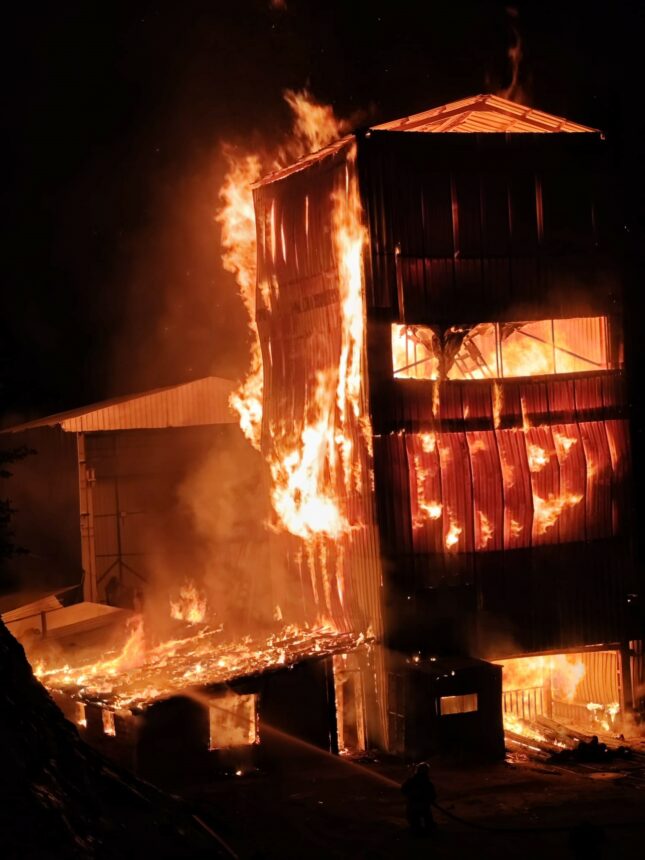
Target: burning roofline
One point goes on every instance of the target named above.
(484, 113)
(292, 649)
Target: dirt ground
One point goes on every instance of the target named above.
(314, 805)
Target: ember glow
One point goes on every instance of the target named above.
(538, 458)
(485, 530)
(564, 444)
(547, 511)
(426, 510)
(498, 405)
(452, 536)
(145, 670)
(431, 509)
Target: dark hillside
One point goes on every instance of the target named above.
(59, 798)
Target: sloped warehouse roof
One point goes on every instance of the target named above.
(483, 113)
(203, 401)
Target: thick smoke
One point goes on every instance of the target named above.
(213, 537)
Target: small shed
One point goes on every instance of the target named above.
(445, 705)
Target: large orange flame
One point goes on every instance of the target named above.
(303, 469)
(305, 472)
(191, 605)
(237, 218)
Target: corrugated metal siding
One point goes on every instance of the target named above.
(476, 227)
(558, 596)
(600, 680)
(481, 113)
(413, 405)
(204, 401)
(486, 485)
(300, 333)
(484, 113)
(467, 229)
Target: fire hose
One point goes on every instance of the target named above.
(223, 845)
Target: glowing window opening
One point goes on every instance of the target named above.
(501, 350)
(109, 727)
(80, 716)
(233, 721)
(350, 704)
(465, 704)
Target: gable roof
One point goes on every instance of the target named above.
(203, 401)
(484, 113)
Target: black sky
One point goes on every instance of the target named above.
(114, 114)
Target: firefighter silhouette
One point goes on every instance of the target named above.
(419, 794)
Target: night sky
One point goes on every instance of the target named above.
(114, 118)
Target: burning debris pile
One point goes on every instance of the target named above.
(143, 672)
(59, 797)
(546, 703)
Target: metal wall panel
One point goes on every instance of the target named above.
(486, 224)
(411, 404)
(300, 324)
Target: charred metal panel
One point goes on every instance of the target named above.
(554, 597)
(299, 320)
(416, 405)
(487, 224)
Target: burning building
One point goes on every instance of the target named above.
(438, 306)
(437, 389)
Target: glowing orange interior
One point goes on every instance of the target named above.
(498, 350)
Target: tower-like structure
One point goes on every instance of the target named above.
(471, 489)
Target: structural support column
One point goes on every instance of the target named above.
(86, 507)
(627, 692)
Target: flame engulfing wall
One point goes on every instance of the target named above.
(316, 435)
(303, 402)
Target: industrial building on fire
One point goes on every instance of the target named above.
(446, 431)
(486, 509)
